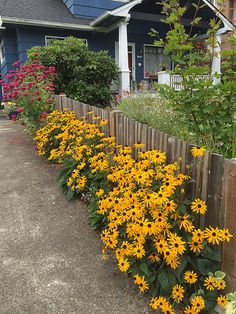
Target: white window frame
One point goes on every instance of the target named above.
(2, 57)
(61, 37)
(147, 45)
(52, 37)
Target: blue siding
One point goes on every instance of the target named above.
(10, 50)
(91, 8)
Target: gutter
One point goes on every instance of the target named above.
(20, 21)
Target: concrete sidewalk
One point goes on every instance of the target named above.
(50, 258)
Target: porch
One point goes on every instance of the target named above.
(136, 56)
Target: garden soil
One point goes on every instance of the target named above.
(50, 258)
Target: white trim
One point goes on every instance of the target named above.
(230, 26)
(2, 58)
(12, 20)
(133, 56)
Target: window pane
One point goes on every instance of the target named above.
(154, 60)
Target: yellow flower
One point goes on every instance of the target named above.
(220, 284)
(123, 265)
(138, 251)
(209, 283)
(213, 235)
(176, 243)
(198, 206)
(225, 234)
(100, 192)
(177, 293)
(138, 145)
(158, 302)
(197, 303)
(196, 246)
(143, 285)
(189, 310)
(198, 151)
(190, 277)
(222, 301)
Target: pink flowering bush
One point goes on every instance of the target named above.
(31, 87)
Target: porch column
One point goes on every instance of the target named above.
(123, 58)
(216, 61)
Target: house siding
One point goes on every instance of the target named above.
(10, 47)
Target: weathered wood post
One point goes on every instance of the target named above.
(62, 102)
(114, 117)
(229, 202)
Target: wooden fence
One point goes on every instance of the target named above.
(213, 178)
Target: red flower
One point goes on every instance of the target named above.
(20, 110)
(44, 115)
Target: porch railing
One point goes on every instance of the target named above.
(175, 80)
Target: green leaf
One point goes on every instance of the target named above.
(211, 254)
(205, 266)
(220, 274)
(144, 268)
(167, 279)
(210, 300)
(181, 268)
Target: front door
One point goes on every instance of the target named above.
(131, 58)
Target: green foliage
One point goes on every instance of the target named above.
(156, 112)
(209, 111)
(82, 73)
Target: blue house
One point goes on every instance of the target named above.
(119, 26)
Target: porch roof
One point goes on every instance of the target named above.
(135, 8)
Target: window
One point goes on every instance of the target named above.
(2, 52)
(50, 39)
(154, 60)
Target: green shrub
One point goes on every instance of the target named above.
(82, 74)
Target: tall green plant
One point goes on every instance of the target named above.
(209, 110)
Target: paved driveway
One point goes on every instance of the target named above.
(50, 258)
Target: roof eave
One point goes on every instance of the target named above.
(20, 21)
(122, 11)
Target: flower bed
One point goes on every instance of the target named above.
(138, 205)
(29, 92)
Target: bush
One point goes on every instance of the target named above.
(82, 73)
(138, 205)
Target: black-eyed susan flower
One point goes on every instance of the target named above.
(190, 277)
(198, 151)
(198, 206)
(220, 284)
(197, 303)
(189, 310)
(123, 265)
(177, 293)
(222, 301)
(141, 283)
(213, 235)
(225, 234)
(176, 243)
(210, 283)
(196, 246)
